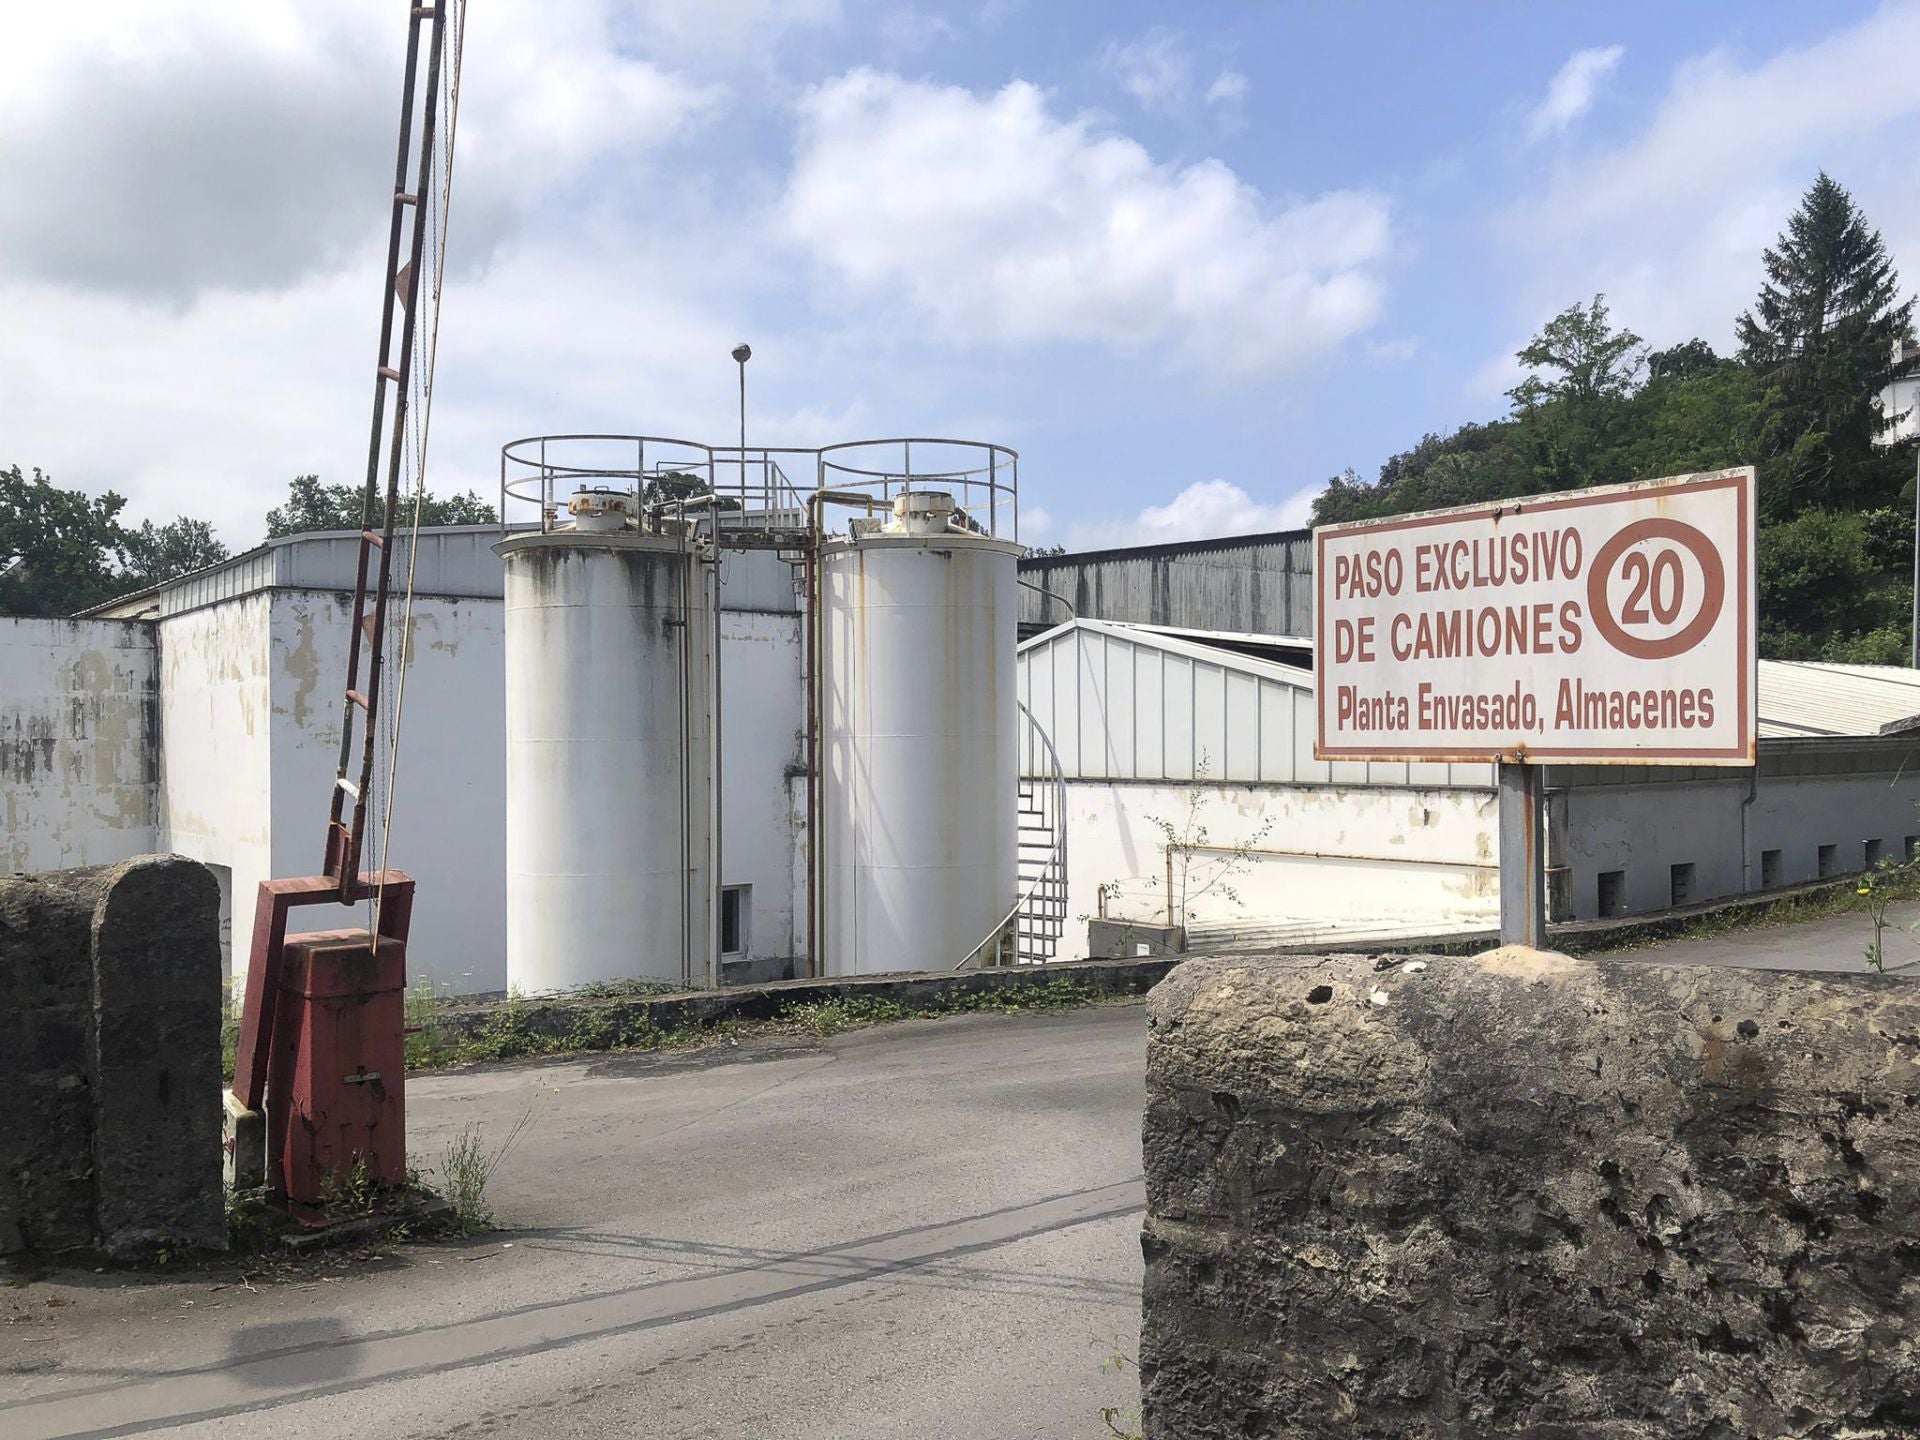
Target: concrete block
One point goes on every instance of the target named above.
(1524, 1196)
(243, 1145)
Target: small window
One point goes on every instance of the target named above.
(1873, 850)
(736, 915)
(1613, 892)
(1683, 884)
(1829, 859)
(1769, 869)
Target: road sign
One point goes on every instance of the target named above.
(1607, 626)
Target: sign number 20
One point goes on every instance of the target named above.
(1656, 591)
(1648, 585)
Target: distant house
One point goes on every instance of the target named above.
(1900, 401)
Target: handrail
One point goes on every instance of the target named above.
(984, 475)
(1058, 854)
(1046, 594)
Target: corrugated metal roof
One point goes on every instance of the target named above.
(1804, 697)
(454, 560)
(1796, 697)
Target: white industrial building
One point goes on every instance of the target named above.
(561, 792)
(1214, 732)
(578, 737)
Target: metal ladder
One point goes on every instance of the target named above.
(1041, 920)
(1029, 933)
(401, 288)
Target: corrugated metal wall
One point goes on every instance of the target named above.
(1258, 584)
(1137, 707)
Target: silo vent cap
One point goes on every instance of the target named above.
(600, 508)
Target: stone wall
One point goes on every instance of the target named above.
(1520, 1195)
(110, 1043)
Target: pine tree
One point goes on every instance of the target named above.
(1821, 335)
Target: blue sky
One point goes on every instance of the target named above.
(1189, 260)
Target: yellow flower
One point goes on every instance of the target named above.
(1864, 890)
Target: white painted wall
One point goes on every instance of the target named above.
(1405, 858)
(449, 820)
(761, 723)
(78, 752)
(216, 772)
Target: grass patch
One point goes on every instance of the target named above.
(831, 1017)
(470, 1165)
(511, 1031)
(605, 1017)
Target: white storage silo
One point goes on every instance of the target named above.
(917, 844)
(609, 800)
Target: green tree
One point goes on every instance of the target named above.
(1821, 335)
(1692, 414)
(154, 554)
(1571, 411)
(1820, 593)
(1684, 361)
(313, 506)
(1587, 361)
(58, 548)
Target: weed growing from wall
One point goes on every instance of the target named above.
(1197, 873)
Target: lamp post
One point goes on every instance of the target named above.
(742, 353)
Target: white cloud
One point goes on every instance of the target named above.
(1154, 69)
(1201, 511)
(1670, 222)
(1393, 352)
(212, 409)
(1571, 92)
(998, 220)
(1228, 91)
(195, 324)
(160, 150)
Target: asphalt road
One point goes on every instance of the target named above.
(929, 1229)
(926, 1230)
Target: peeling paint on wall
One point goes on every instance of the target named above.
(79, 742)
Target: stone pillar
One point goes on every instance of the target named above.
(157, 1085)
(1523, 1196)
(110, 1045)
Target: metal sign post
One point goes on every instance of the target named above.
(1523, 870)
(1612, 626)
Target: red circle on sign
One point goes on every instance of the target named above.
(1713, 573)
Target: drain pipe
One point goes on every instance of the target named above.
(715, 937)
(686, 766)
(1746, 806)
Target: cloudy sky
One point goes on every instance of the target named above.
(1188, 260)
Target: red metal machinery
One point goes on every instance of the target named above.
(322, 1025)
